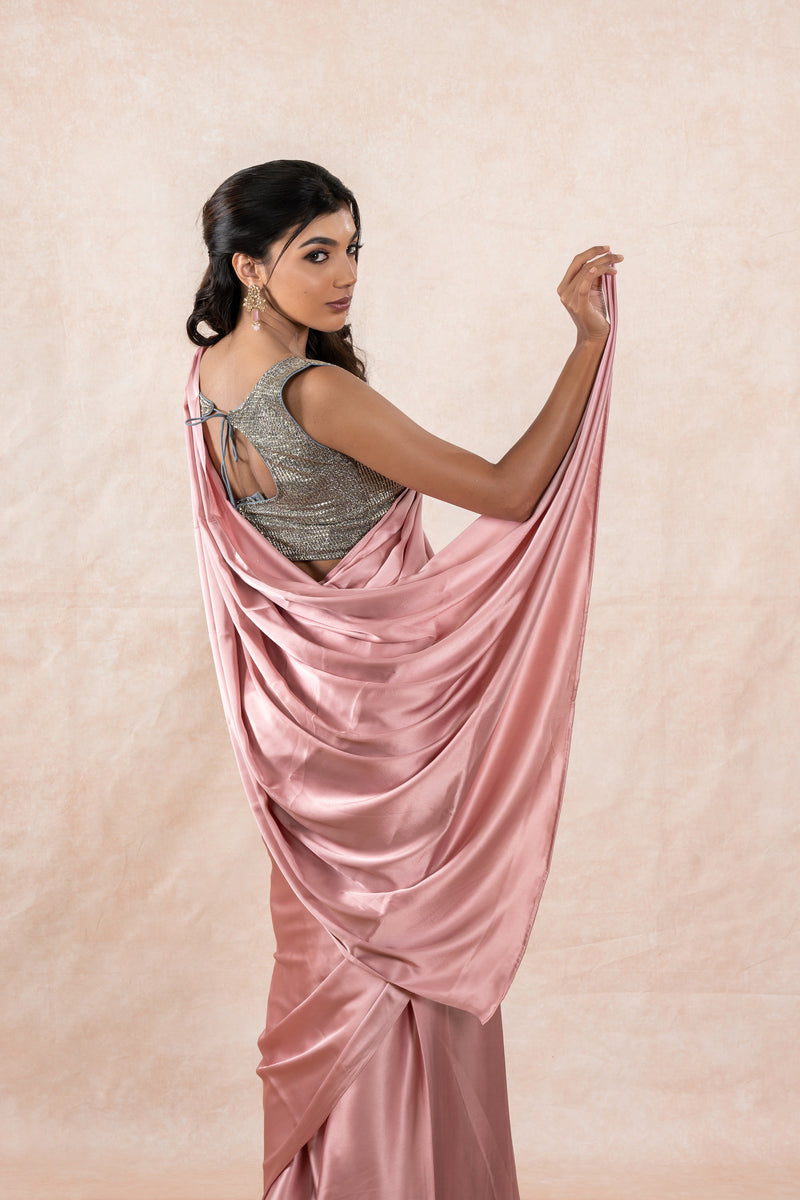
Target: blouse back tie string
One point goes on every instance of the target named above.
(226, 439)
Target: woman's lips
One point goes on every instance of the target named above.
(340, 305)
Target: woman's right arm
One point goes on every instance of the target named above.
(346, 414)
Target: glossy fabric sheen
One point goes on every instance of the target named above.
(325, 501)
(402, 730)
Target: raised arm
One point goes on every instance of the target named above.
(346, 414)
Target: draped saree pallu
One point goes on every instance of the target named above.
(402, 730)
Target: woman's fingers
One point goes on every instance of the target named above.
(580, 290)
(602, 266)
(578, 262)
(597, 260)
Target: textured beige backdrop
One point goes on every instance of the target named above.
(653, 1028)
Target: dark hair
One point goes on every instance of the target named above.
(246, 214)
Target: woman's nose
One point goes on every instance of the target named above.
(348, 273)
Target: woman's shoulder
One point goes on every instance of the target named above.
(316, 397)
(326, 379)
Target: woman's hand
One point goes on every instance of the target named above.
(581, 293)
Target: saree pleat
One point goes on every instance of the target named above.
(410, 1099)
(402, 730)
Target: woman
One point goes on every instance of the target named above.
(401, 720)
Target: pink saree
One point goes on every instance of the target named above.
(402, 731)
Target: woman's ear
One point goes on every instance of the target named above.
(248, 269)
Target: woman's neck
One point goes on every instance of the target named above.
(280, 334)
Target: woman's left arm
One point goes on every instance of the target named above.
(339, 410)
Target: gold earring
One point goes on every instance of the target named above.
(253, 302)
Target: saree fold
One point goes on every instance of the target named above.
(402, 730)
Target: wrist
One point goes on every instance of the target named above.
(589, 343)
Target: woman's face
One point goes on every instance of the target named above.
(312, 281)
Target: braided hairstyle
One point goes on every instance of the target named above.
(247, 214)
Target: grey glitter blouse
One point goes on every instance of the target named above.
(325, 501)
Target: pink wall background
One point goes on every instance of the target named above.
(652, 1030)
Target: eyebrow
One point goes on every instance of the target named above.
(324, 241)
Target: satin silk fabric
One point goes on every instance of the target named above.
(379, 1094)
(402, 730)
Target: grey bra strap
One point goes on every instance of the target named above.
(225, 440)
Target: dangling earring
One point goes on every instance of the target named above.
(254, 301)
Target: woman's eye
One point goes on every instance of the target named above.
(319, 256)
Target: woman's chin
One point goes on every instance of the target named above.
(333, 323)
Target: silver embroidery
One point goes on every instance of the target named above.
(325, 501)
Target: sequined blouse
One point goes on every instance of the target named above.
(325, 501)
